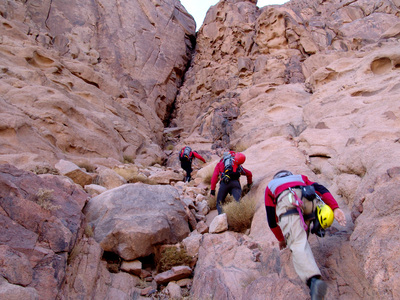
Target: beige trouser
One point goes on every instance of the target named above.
(295, 236)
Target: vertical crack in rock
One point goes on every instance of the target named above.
(48, 15)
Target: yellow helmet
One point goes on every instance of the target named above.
(325, 215)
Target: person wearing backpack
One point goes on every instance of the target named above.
(228, 170)
(186, 156)
(290, 207)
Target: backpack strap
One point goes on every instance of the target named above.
(294, 211)
(298, 204)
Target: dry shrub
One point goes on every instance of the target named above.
(89, 230)
(45, 170)
(127, 173)
(240, 214)
(212, 200)
(171, 257)
(132, 175)
(239, 147)
(207, 176)
(127, 159)
(142, 178)
(44, 197)
(74, 253)
(228, 199)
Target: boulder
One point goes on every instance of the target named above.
(77, 174)
(219, 224)
(16, 292)
(110, 179)
(176, 273)
(174, 291)
(132, 219)
(133, 267)
(94, 189)
(15, 266)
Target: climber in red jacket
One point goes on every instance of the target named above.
(229, 177)
(186, 156)
(288, 204)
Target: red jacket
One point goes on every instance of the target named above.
(195, 154)
(219, 169)
(277, 186)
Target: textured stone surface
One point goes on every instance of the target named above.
(91, 82)
(174, 274)
(132, 219)
(310, 86)
(37, 230)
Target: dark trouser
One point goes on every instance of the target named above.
(233, 187)
(187, 166)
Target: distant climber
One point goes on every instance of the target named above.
(294, 201)
(186, 156)
(229, 170)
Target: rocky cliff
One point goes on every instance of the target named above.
(103, 94)
(90, 81)
(309, 86)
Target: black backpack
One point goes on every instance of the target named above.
(184, 155)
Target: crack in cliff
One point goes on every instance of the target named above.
(146, 12)
(171, 109)
(77, 74)
(48, 15)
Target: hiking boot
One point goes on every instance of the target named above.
(317, 289)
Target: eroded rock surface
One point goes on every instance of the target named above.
(310, 86)
(90, 82)
(133, 219)
(41, 219)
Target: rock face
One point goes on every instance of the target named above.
(310, 86)
(133, 219)
(89, 81)
(245, 55)
(231, 269)
(41, 219)
(88, 277)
